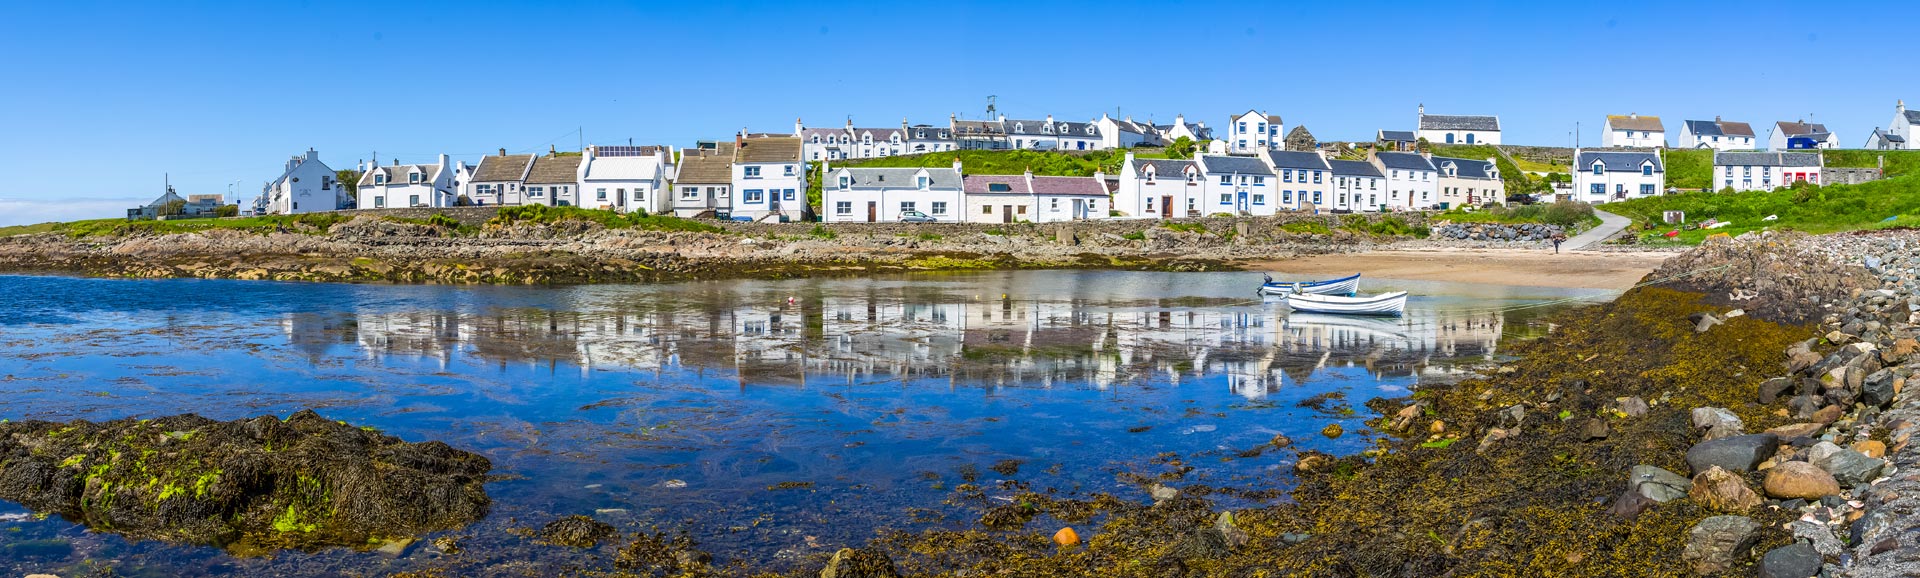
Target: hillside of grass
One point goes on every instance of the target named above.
(1879, 204)
(1688, 169)
(1570, 214)
(1515, 180)
(1899, 163)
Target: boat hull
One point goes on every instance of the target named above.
(1383, 304)
(1341, 286)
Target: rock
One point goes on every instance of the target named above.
(1790, 561)
(1820, 451)
(576, 531)
(1803, 406)
(859, 563)
(1657, 484)
(1794, 430)
(1404, 418)
(1066, 537)
(1204, 543)
(1494, 436)
(1513, 416)
(1717, 543)
(1876, 390)
(1871, 448)
(1295, 538)
(1437, 427)
(1718, 422)
(1819, 536)
(1851, 468)
(1162, 493)
(1703, 321)
(1827, 415)
(1312, 462)
(1333, 430)
(1593, 429)
(1230, 530)
(1281, 441)
(1720, 490)
(1800, 480)
(1771, 389)
(1629, 505)
(1737, 454)
(1633, 406)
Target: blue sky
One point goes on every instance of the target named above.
(105, 98)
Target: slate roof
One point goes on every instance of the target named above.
(932, 132)
(1074, 186)
(1913, 116)
(978, 184)
(501, 168)
(1354, 169)
(710, 168)
(1886, 136)
(1458, 122)
(1161, 167)
(1619, 162)
(1296, 159)
(555, 170)
(398, 174)
(940, 178)
(1221, 164)
(1731, 128)
(1139, 128)
(1397, 136)
(1767, 159)
(1465, 168)
(1802, 129)
(1703, 128)
(769, 150)
(1646, 123)
(1404, 161)
(879, 134)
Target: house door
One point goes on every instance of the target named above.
(1079, 209)
(1006, 213)
(873, 211)
(1240, 202)
(1166, 206)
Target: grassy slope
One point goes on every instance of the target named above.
(1815, 209)
(1688, 169)
(1899, 163)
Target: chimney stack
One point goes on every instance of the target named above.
(552, 151)
(503, 151)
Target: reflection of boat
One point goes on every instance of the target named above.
(1349, 327)
(1341, 286)
(1383, 304)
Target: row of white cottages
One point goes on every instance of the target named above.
(1603, 176)
(1274, 181)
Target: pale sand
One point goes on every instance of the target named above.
(1591, 270)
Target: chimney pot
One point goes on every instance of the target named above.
(503, 151)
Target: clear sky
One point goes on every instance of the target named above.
(103, 99)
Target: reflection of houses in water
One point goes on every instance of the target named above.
(1001, 341)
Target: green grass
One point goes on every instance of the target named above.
(608, 219)
(1510, 174)
(1828, 209)
(106, 227)
(1688, 169)
(972, 162)
(1899, 163)
(1567, 214)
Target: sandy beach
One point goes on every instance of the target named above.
(1595, 270)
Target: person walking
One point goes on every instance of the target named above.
(1558, 238)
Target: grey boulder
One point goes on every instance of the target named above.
(1740, 453)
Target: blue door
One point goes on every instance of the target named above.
(1469, 138)
(1241, 205)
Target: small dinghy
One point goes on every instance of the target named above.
(1341, 286)
(1393, 303)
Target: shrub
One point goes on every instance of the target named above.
(442, 220)
(823, 233)
(1134, 235)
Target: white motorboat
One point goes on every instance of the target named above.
(1341, 286)
(1393, 303)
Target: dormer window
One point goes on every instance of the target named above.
(816, 139)
(923, 183)
(1020, 128)
(919, 134)
(843, 182)
(1646, 169)
(413, 178)
(1599, 168)
(379, 179)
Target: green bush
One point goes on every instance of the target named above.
(608, 219)
(442, 220)
(823, 233)
(1814, 209)
(1134, 235)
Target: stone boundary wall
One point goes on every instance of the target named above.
(1840, 176)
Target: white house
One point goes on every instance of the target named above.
(1467, 182)
(401, 186)
(1251, 132)
(1125, 133)
(553, 180)
(627, 178)
(769, 179)
(874, 195)
(1899, 134)
(1052, 134)
(1458, 129)
(1195, 132)
(1027, 198)
(923, 138)
(1411, 181)
(1357, 186)
(703, 182)
(1764, 171)
(1165, 188)
(1607, 176)
(306, 186)
(1634, 131)
(497, 180)
(851, 143)
(1237, 185)
(1304, 179)
(1801, 135)
(1716, 134)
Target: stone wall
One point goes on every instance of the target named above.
(1839, 176)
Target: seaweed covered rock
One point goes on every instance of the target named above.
(576, 531)
(859, 563)
(250, 485)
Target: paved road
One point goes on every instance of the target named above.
(1609, 224)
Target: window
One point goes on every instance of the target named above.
(1243, 128)
(1226, 199)
(1226, 180)
(906, 206)
(536, 191)
(752, 172)
(751, 195)
(999, 188)
(413, 200)
(1053, 205)
(413, 178)
(1396, 174)
(1260, 199)
(1286, 175)
(1190, 205)
(1149, 204)
(379, 202)
(483, 189)
(786, 195)
(843, 182)
(1259, 181)
(939, 207)
(326, 182)
(789, 171)
(600, 194)
(379, 179)
(1646, 170)
(986, 209)
(923, 182)
(1286, 197)
(690, 193)
(843, 208)
(1243, 143)
(1316, 177)
(1022, 209)
(1316, 197)
(1646, 190)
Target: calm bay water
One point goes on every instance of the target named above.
(679, 406)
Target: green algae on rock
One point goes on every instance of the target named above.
(250, 486)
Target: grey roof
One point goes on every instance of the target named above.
(1465, 168)
(939, 177)
(397, 174)
(1296, 159)
(1161, 166)
(1704, 128)
(713, 167)
(932, 132)
(1458, 122)
(1398, 136)
(555, 170)
(1767, 159)
(502, 168)
(1354, 169)
(1913, 116)
(1801, 128)
(1620, 162)
(1060, 128)
(1885, 136)
(1404, 161)
(1218, 164)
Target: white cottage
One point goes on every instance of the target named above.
(769, 179)
(1304, 179)
(553, 180)
(1634, 131)
(1900, 134)
(1716, 134)
(305, 186)
(627, 178)
(1238, 185)
(1164, 188)
(1801, 135)
(1458, 129)
(401, 186)
(1027, 198)
(1412, 182)
(703, 182)
(497, 180)
(877, 195)
(1607, 176)
(1357, 186)
(1764, 171)
(1467, 182)
(1252, 131)
(1125, 133)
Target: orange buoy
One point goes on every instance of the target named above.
(1066, 537)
